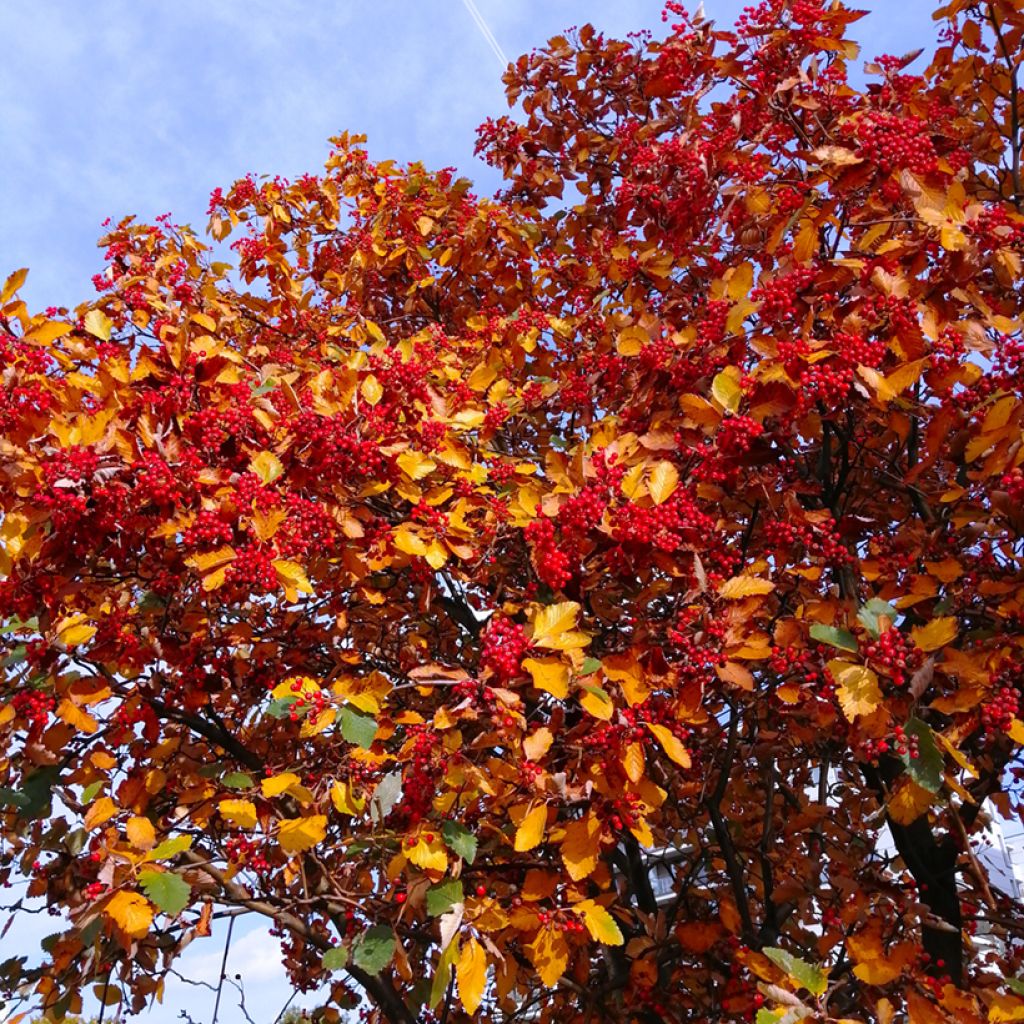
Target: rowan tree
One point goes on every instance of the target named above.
(410, 568)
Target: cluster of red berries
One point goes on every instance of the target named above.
(779, 297)
(155, 481)
(894, 654)
(424, 765)
(667, 526)
(503, 645)
(816, 540)
(253, 569)
(550, 561)
(893, 142)
(35, 706)
(902, 744)
(209, 529)
(800, 665)
(244, 851)
(997, 714)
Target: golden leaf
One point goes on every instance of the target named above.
(671, 744)
(553, 622)
(631, 341)
(599, 922)
(550, 675)
(1004, 1008)
(141, 833)
(371, 390)
(98, 324)
(76, 717)
(292, 578)
(278, 784)
(549, 953)
(100, 811)
(430, 856)
(581, 847)
(74, 630)
(345, 801)
(267, 466)
(131, 912)
(625, 670)
(471, 974)
(857, 688)
(938, 633)
(663, 481)
(286, 687)
(531, 830)
(537, 744)
(908, 801)
(298, 834)
(745, 586)
(597, 703)
(416, 465)
(13, 283)
(238, 812)
(633, 762)
(726, 390)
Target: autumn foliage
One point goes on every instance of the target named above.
(418, 570)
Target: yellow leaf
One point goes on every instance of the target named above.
(131, 912)
(599, 922)
(908, 801)
(211, 560)
(857, 688)
(430, 856)
(600, 706)
(671, 744)
(278, 784)
(408, 540)
(471, 974)
(74, 630)
(553, 620)
(371, 390)
(298, 834)
(266, 524)
(938, 633)
(292, 578)
(726, 390)
(205, 321)
(537, 744)
(1005, 1008)
(100, 811)
(549, 952)
(76, 717)
(531, 831)
(267, 466)
(745, 586)
(287, 687)
(581, 847)
(1016, 731)
(633, 762)
(345, 800)
(631, 341)
(550, 675)
(625, 670)
(13, 283)
(141, 833)
(663, 482)
(99, 326)
(48, 332)
(416, 465)
(239, 812)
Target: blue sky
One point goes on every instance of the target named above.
(141, 106)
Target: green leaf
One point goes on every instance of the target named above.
(17, 655)
(766, 1016)
(590, 665)
(841, 638)
(806, 975)
(170, 848)
(444, 973)
(168, 891)
(459, 840)
(358, 728)
(374, 949)
(238, 780)
(926, 768)
(441, 898)
(874, 610)
(335, 959)
(90, 791)
(280, 707)
(34, 798)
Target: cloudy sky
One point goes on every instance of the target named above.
(140, 106)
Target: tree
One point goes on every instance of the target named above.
(409, 577)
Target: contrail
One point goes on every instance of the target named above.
(493, 43)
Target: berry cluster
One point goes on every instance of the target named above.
(895, 655)
(998, 713)
(893, 143)
(503, 645)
